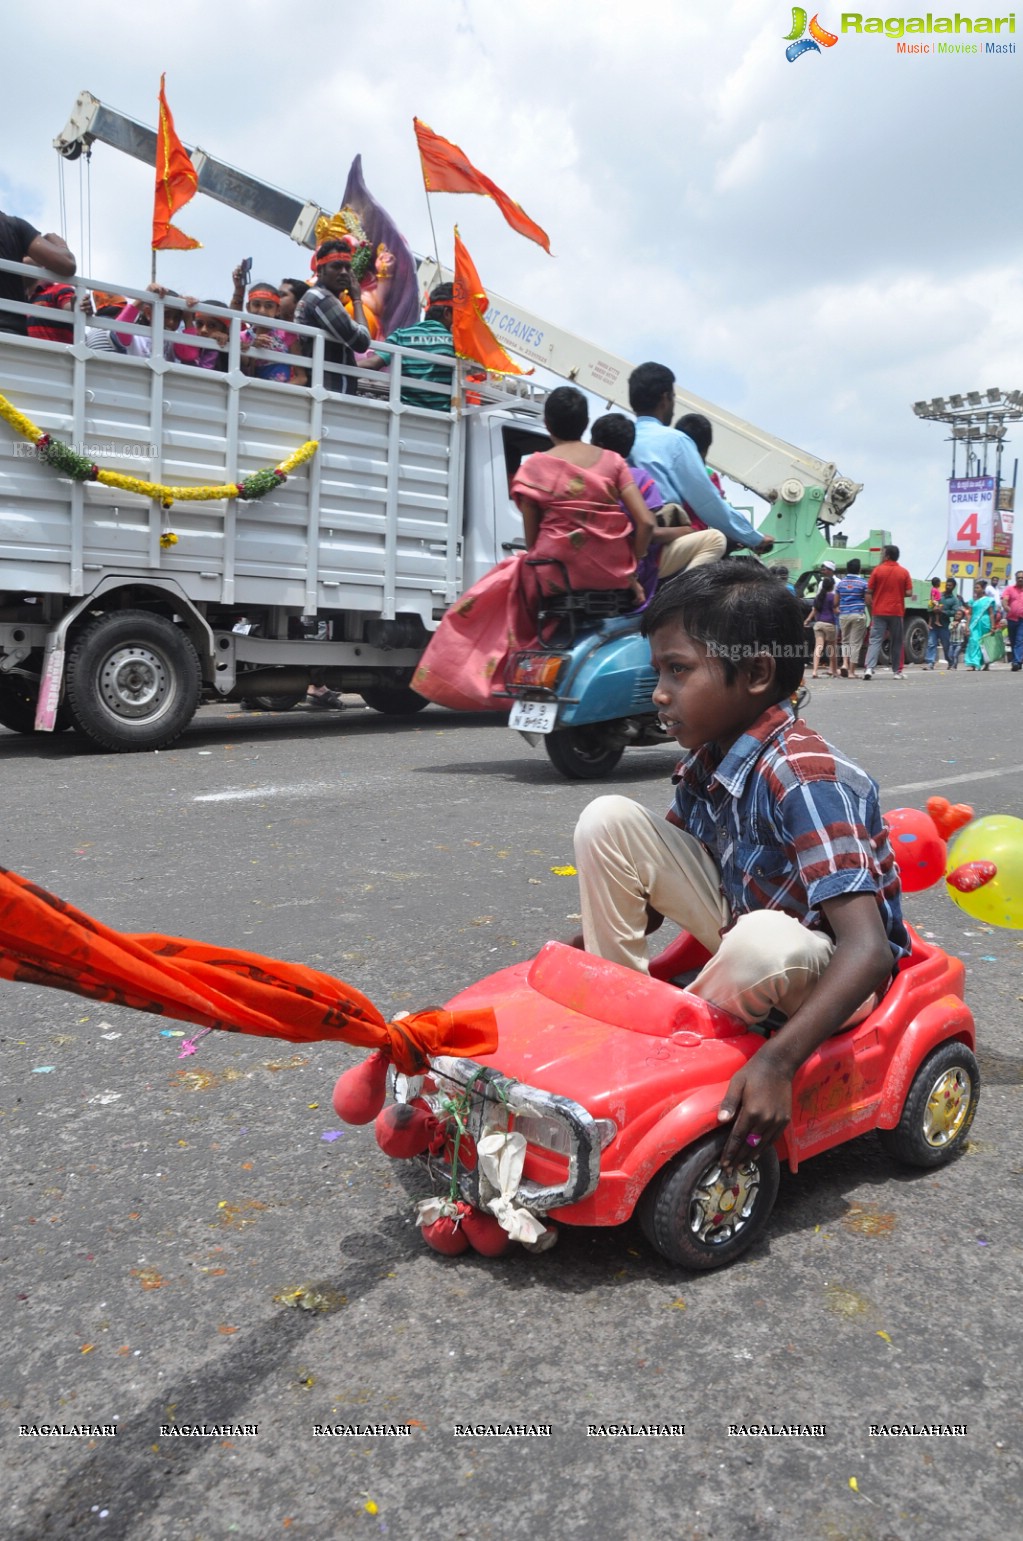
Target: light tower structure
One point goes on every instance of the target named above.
(981, 504)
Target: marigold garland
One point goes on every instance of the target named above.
(69, 463)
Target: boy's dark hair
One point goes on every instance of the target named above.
(614, 431)
(565, 413)
(891, 553)
(737, 609)
(935, 582)
(952, 581)
(647, 384)
(298, 287)
(853, 565)
(441, 295)
(781, 572)
(699, 429)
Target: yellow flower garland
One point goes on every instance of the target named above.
(166, 495)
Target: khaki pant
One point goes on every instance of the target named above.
(626, 857)
(854, 629)
(695, 550)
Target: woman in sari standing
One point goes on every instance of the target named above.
(982, 617)
(579, 504)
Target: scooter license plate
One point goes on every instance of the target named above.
(534, 716)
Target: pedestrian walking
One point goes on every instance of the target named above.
(887, 589)
(943, 629)
(852, 615)
(1012, 604)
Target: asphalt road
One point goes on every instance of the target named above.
(169, 1220)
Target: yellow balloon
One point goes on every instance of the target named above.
(999, 839)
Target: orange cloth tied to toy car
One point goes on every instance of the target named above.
(46, 941)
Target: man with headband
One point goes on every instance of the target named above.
(322, 307)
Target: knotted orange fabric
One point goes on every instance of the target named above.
(46, 941)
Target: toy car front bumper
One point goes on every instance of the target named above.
(563, 1136)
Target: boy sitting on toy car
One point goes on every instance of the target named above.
(773, 855)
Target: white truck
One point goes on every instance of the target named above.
(119, 615)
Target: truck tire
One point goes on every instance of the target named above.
(583, 754)
(133, 681)
(18, 706)
(915, 640)
(394, 700)
(698, 1219)
(938, 1111)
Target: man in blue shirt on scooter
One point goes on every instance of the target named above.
(674, 462)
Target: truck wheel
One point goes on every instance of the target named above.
(697, 1217)
(939, 1109)
(915, 640)
(582, 754)
(18, 706)
(133, 681)
(394, 700)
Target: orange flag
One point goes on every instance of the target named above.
(447, 169)
(46, 941)
(176, 182)
(472, 336)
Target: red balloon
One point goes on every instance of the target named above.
(918, 848)
(971, 876)
(948, 817)
(404, 1131)
(447, 1235)
(360, 1092)
(485, 1234)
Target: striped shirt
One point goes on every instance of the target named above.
(851, 591)
(790, 822)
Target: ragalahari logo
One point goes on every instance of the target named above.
(799, 43)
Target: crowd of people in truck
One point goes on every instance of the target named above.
(345, 298)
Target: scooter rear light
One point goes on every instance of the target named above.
(537, 671)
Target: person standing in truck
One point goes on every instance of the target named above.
(431, 335)
(323, 307)
(20, 241)
(673, 460)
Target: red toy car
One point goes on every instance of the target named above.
(615, 1079)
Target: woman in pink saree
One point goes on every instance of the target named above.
(578, 536)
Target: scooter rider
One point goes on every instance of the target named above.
(674, 462)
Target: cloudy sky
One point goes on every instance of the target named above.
(812, 245)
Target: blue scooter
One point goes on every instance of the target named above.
(586, 689)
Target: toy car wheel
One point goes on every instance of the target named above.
(939, 1109)
(696, 1216)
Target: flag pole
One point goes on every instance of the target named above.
(429, 210)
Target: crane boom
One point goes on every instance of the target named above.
(91, 120)
(748, 455)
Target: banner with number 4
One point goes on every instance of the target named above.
(971, 512)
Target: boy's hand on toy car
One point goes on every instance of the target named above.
(759, 1101)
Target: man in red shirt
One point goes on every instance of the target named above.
(1012, 603)
(887, 588)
